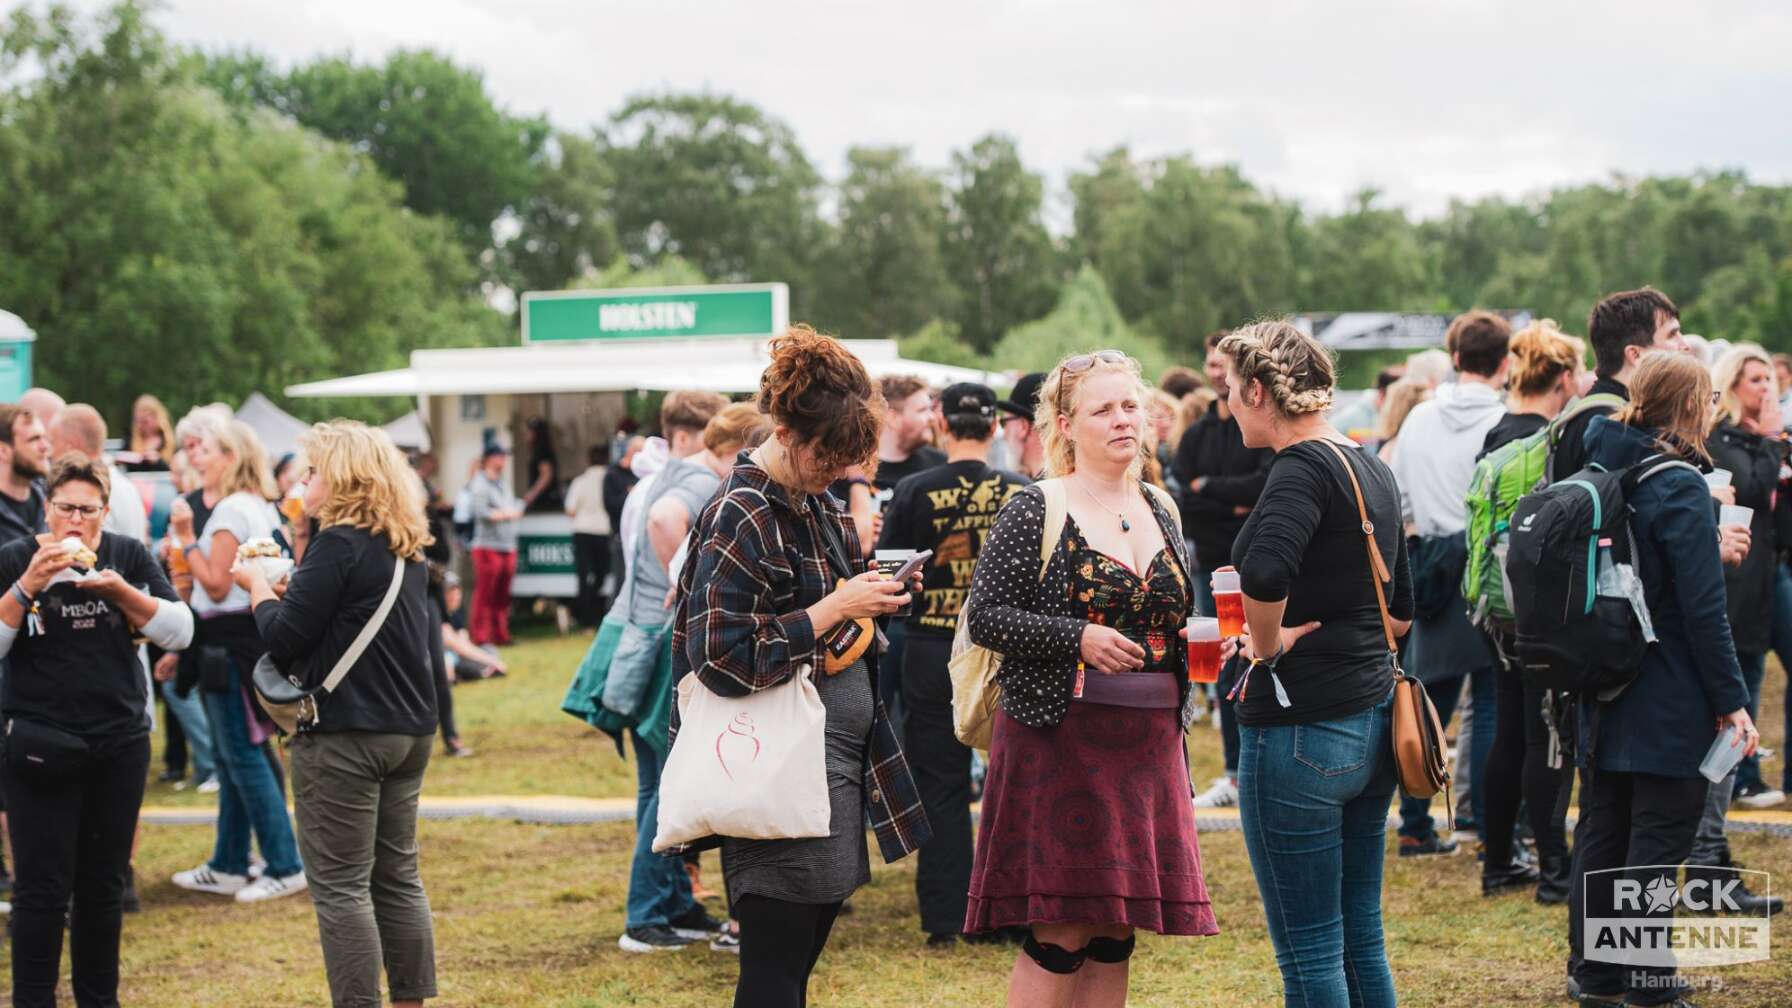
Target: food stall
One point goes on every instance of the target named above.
(583, 355)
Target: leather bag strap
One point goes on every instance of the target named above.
(1378, 568)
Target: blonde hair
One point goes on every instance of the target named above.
(248, 472)
(731, 428)
(1401, 397)
(1295, 369)
(1191, 408)
(371, 485)
(1671, 392)
(164, 425)
(1541, 354)
(1728, 371)
(1057, 397)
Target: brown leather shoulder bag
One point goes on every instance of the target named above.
(1418, 733)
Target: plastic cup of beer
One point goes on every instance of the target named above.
(1717, 479)
(1735, 514)
(1203, 649)
(1228, 601)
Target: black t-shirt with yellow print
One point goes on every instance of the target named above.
(948, 509)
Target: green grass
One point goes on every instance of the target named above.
(528, 915)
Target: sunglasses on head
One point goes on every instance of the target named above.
(1083, 362)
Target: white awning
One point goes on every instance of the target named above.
(721, 365)
(279, 430)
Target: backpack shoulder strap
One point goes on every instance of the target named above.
(1585, 404)
(1057, 506)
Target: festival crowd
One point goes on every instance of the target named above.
(1232, 555)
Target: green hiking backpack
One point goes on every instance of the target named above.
(1501, 477)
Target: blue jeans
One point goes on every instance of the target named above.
(190, 712)
(1415, 813)
(1313, 801)
(249, 799)
(658, 889)
(1782, 646)
(1754, 670)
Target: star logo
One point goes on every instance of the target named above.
(1662, 893)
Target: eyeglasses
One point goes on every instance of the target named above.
(1083, 362)
(1717, 398)
(67, 510)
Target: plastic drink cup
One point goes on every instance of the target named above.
(1724, 754)
(293, 508)
(1203, 649)
(1717, 479)
(1735, 514)
(177, 558)
(1228, 601)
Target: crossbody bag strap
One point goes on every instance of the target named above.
(1378, 568)
(359, 645)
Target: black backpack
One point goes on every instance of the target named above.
(1571, 637)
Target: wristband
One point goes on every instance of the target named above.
(189, 547)
(18, 592)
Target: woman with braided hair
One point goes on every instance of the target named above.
(1316, 767)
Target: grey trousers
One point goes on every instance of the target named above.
(1710, 846)
(356, 798)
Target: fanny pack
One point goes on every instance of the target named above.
(45, 751)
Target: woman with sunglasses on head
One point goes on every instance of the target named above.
(76, 729)
(1087, 830)
(1641, 792)
(1315, 765)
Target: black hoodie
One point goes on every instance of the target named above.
(1213, 450)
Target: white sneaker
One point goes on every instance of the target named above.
(270, 887)
(1767, 798)
(257, 868)
(1217, 724)
(6, 908)
(1223, 794)
(208, 786)
(204, 879)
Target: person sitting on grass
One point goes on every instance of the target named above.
(467, 661)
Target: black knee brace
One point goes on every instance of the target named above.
(1054, 958)
(1111, 950)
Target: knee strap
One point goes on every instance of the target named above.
(1053, 958)
(1111, 950)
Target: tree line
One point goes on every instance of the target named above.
(201, 224)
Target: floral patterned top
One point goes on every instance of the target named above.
(1148, 609)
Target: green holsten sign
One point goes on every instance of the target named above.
(655, 313)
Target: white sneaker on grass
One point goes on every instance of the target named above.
(208, 786)
(270, 887)
(204, 879)
(1223, 794)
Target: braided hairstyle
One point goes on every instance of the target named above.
(816, 387)
(1295, 369)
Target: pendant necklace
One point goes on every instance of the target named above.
(1125, 525)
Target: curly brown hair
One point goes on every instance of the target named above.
(817, 389)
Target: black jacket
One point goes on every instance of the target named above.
(334, 591)
(1571, 450)
(1213, 448)
(1754, 465)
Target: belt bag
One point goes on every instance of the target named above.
(288, 703)
(42, 750)
(1418, 733)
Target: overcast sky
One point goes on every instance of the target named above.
(1424, 99)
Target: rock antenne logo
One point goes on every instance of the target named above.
(1662, 894)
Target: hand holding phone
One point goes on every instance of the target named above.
(911, 566)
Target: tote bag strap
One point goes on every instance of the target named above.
(1378, 568)
(359, 645)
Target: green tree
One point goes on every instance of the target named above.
(1113, 187)
(425, 121)
(159, 242)
(564, 231)
(884, 273)
(718, 182)
(1085, 318)
(996, 245)
(1367, 258)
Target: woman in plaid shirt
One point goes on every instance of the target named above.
(759, 605)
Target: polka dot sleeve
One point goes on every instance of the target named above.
(1004, 604)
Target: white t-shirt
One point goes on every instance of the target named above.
(246, 516)
(585, 503)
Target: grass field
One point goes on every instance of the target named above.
(528, 915)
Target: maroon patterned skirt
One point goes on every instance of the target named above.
(1089, 822)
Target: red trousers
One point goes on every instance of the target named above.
(493, 570)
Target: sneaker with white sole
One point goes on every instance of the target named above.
(1759, 796)
(1223, 794)
(726, 941)
(657, 938)
(208, 786)
(270, 887)
(204, 879)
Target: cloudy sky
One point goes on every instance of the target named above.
(1424, 99)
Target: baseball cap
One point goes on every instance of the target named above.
(1023, 402)
(495, 449)
(968, 399)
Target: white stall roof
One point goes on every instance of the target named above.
(279, 430)
(721, 365)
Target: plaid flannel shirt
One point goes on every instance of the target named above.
(757, 564)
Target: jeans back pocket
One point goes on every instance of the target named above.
(1335, 747)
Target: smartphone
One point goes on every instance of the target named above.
(913, 564)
